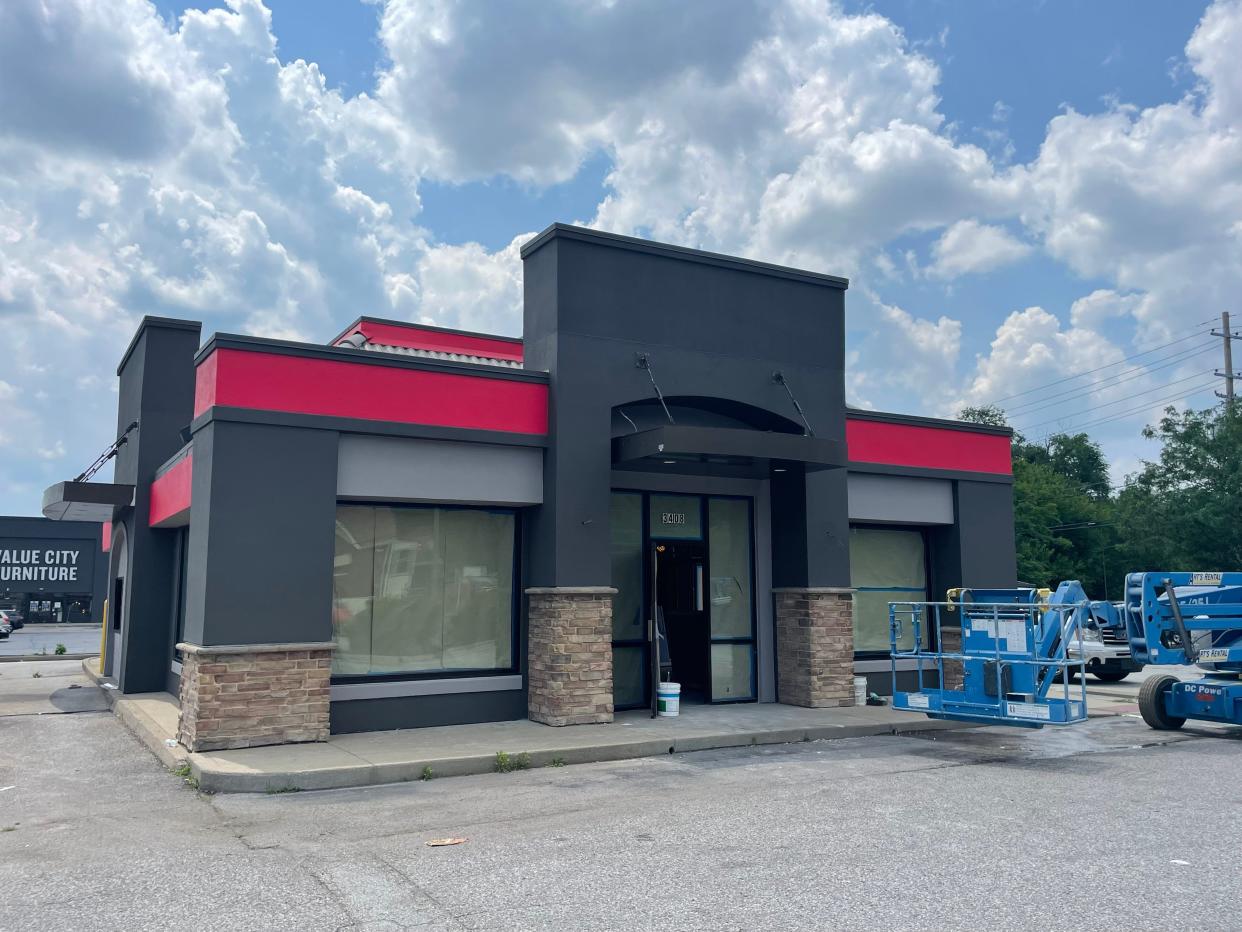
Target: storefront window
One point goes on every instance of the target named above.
(886, 565)
(422, 590)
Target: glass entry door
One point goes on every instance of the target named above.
(682, 567)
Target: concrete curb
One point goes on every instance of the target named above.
(365, 773)
(24, 658)
(213, 776)
(221, 776)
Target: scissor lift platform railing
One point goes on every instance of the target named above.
(1012, 660)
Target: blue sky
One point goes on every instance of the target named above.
(1021, 192)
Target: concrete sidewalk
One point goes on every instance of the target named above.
(398, 756)
(456, 750)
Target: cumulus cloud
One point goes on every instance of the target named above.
(972, 247)
(184, 169)
(468, 287)
(1102, 305)
(1149, 199)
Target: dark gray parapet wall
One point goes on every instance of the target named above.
(713, 327)
(156, 390)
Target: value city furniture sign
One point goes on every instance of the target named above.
(62, 566)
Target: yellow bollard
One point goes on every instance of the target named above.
(103, 637)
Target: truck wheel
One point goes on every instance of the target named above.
(1151, 704)
(1110, 674)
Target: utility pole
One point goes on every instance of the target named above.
(1228, 336)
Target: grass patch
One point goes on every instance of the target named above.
(427, 774)
(557, 762)
(277, 790)
(61, 649)
(507, 763)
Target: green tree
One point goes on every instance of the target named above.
(1183, 511)
(992, 415)
(1062, 512)
(1079, 458)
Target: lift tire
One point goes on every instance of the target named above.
(1151, 704)
(1106, 675)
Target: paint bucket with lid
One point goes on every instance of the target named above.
(860, 690)
(668, 699)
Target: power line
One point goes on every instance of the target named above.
(1130, 397)
(1099, 368)
(1121, 415)
(1131, 374)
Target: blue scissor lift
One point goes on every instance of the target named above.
(1187, 619)
(1000, 655)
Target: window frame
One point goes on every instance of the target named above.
(515, 602)
(921, 530)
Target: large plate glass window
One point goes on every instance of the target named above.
(886, 565)
(423, 590)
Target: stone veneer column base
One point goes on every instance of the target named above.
(954, 670)
(570, 660)
(815, 647)
(247, 695)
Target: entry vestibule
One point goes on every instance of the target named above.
(683, 568)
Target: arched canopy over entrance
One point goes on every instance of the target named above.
(714, 437)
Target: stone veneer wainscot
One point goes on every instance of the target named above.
(815, 647)
(248, 695)
(570, 634)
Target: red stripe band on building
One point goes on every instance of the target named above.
(332, 388)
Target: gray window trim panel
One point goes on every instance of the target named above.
(883, 666)
(346, 692)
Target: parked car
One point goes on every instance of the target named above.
(15, 618)
(5, 628)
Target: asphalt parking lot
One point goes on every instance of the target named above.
(995, 827)
(35, 640)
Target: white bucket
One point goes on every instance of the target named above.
(668, 699)
(860, 690)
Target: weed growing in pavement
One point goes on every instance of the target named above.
(277, 790)
(557, 762)
(61, 649)
(426, 774)
(182, 770)
(507, 763)
(36, 675)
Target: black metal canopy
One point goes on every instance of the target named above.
(85, 501)
(723, 451)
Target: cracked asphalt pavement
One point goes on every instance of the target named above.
(1105, 824)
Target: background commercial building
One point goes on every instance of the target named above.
(419, 526)
(53, 572)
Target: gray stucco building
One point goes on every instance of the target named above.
(419, 526)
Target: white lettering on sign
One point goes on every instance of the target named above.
(673, 517)
(916, 701)
(38, 565)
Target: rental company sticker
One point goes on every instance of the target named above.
(916, 701)
(1206, 579)
(1027, 710)
(1214, 654)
